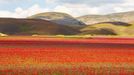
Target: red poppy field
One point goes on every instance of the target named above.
(60, 56)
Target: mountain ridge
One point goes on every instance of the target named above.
(122, 17)
(57, 17)
(13, 26)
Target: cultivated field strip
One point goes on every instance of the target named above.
(96, 56)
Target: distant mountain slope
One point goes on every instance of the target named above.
(127, 17)
(107, 28)
(12, 26)
(92, 19)
(57, 17)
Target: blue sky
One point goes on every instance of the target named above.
(13, 4)
(25, 8)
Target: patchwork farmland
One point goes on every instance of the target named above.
(61, 56)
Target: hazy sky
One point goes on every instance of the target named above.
(24, 8)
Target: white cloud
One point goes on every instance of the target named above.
(9, 1)
(126, 6)
(89, 2)
(84, 9)
(75, 9)
(50, 1)
(21, 13)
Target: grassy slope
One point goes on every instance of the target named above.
(41, 27)
(32, 26)
(110, 28)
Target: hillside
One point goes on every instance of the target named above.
(58, 17)
(108, 28)
(12, 26)
(55, 23)
(127, 17)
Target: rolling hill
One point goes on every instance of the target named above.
(12, 26)
(59, 18)
(55, 23)
(127, 17)
(108, 28)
